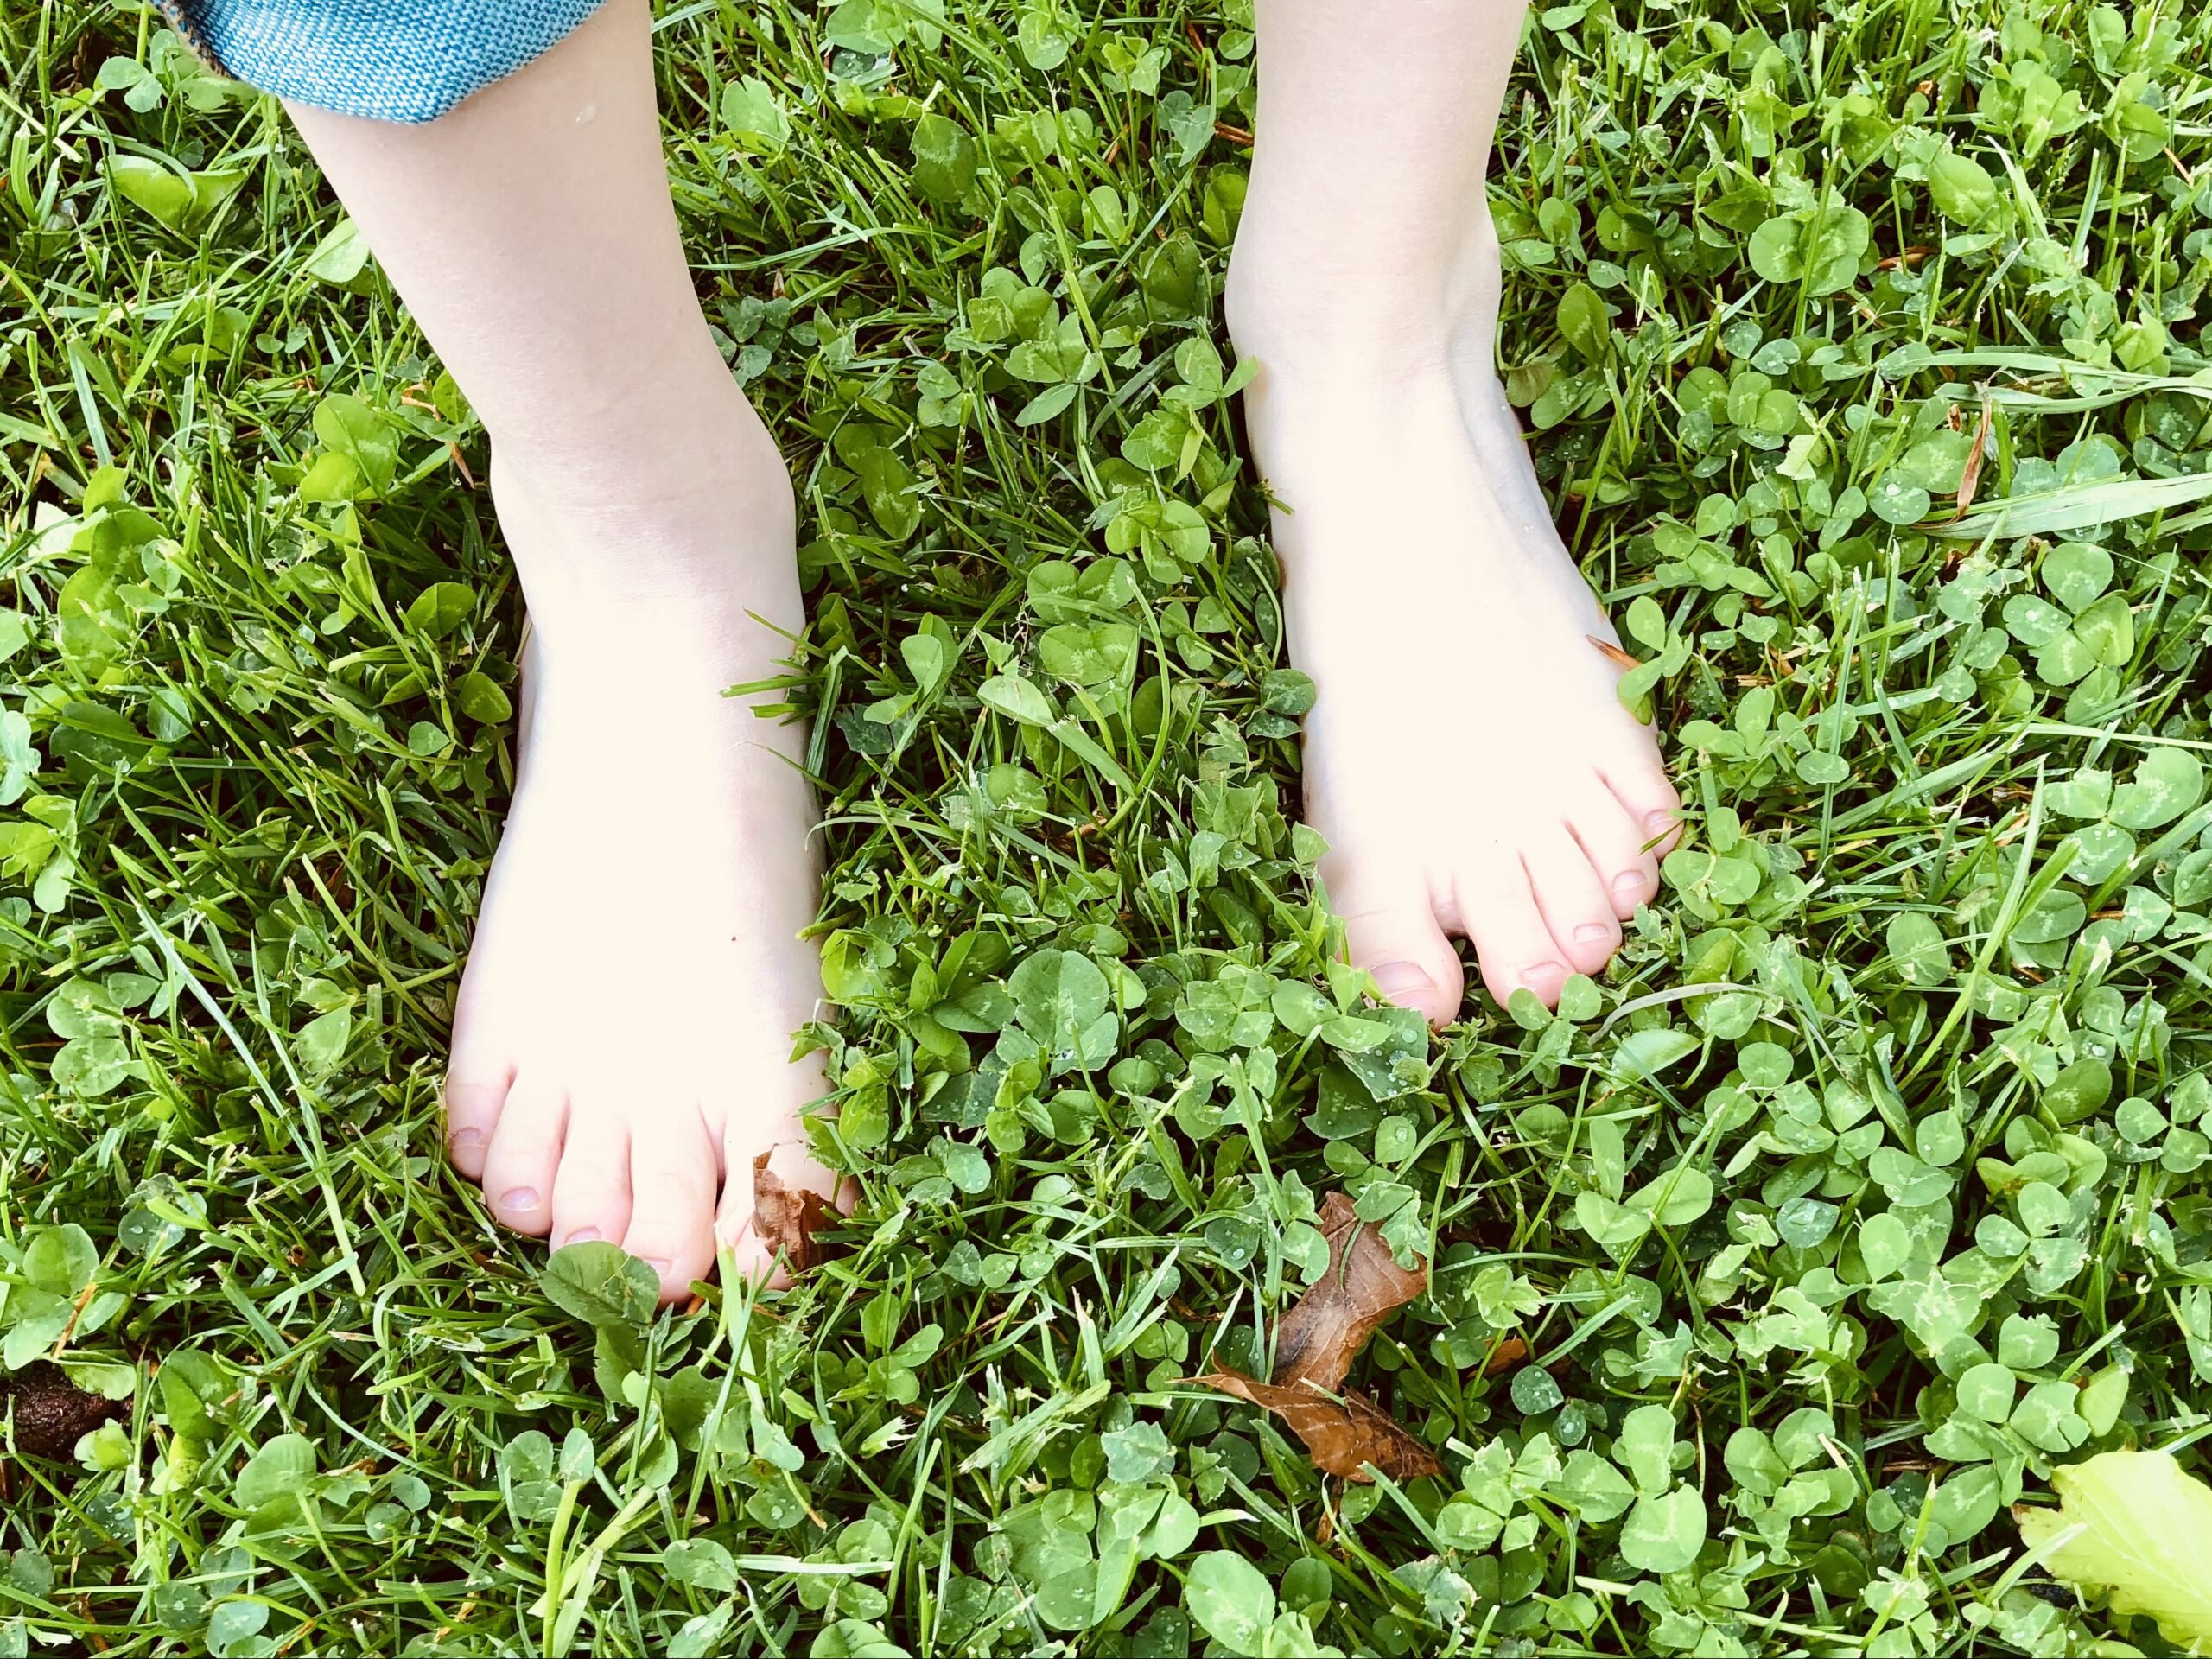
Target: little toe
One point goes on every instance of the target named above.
(524, 1152)
(1390, 930)
(591, 1191)
(1512, 943)
(475, 1093)
(1573, 902)
(674, 1173)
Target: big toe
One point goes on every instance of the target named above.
(1391, 930)
(774, 1200)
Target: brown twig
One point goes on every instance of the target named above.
(84, 1297)
(1614, 654)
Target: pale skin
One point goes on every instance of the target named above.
(1467, 760)
(622, 1035)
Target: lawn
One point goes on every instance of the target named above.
(1858, 345)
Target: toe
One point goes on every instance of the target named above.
(674, 1173)
(1512, 942)
(591, 1191)
(475, 1092)
(524, 1152)
(1572, 901)
(1640, 783)
(1391, 930)
(1615, 846)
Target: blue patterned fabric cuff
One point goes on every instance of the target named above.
(385, 59)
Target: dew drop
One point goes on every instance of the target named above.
(585, 115)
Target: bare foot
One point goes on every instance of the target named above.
(1467, 759)
(622, 1042)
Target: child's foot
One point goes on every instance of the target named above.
(1468, 761)
(622, 1041)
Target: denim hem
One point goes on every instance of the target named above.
(188, 32)
(403, 61)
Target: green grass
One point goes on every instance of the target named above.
(1866, 1186)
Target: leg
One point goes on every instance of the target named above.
(1467, 761)
(621, 1039)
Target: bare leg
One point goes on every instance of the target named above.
(621, 1045)
(1467, 761)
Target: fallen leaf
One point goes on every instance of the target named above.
(1315, 1344)
(1343, 1436)
(1970, 475)
(1507, 1354)
(2141, 1531)
(1318, 1340)
(786, 1218)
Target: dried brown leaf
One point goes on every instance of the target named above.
(1343, 1436)
(786, 1218)
(1315, 1344)
(1505, 1355)
(1318, 1340)
(1970, 474)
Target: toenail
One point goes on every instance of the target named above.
(1401, 981)
(660, 1264)
(1658, 823)
(519, 1197)
(1628, 884)
(463, 1140)
(583, 1235)
(1590, 932)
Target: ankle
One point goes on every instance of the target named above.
(691, 460)
(1357, 316)
(690, 529)
(684, 433)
